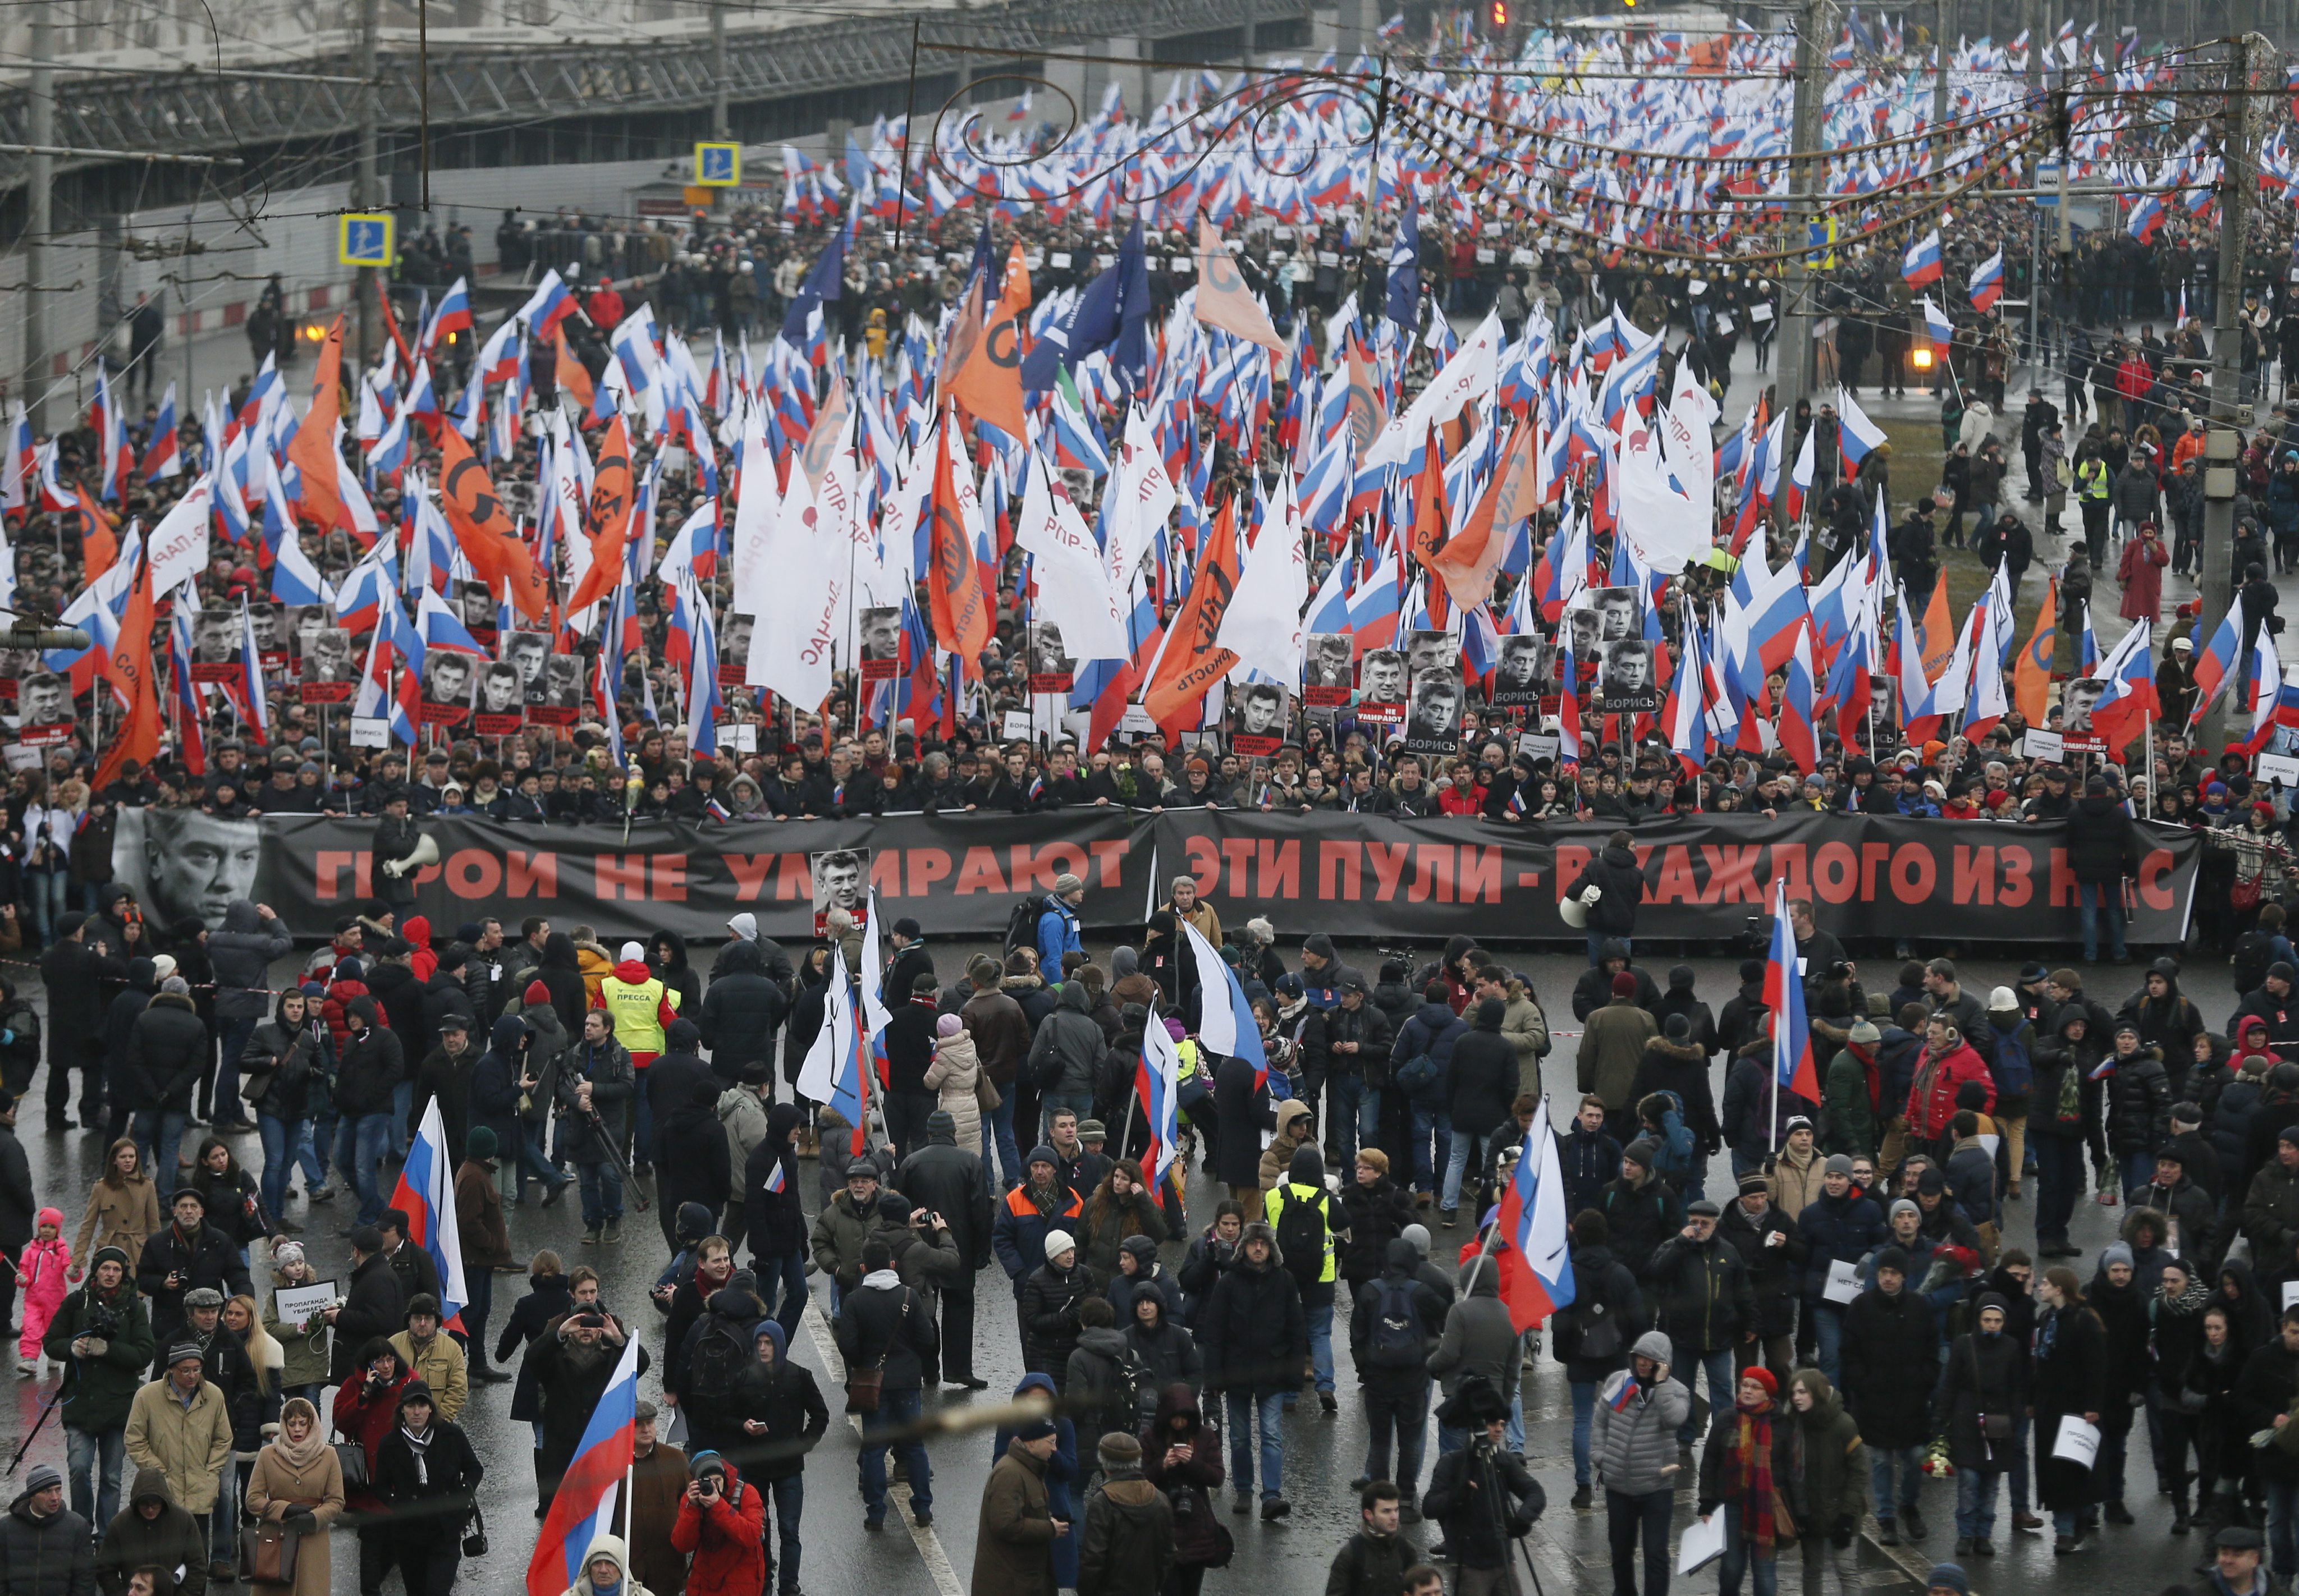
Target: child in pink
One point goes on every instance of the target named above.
(40, 1275)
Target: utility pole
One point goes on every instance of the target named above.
(369, 198)
(2221, 444)
(39, 212)
(1792, 377)
(719, 123)
(1941, 10)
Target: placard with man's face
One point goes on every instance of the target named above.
(1620, 613)
(215, 637)
(327, 665)
(525, 652)
(1433, 724)
(503, 700)
(2077, 700)
(45, 698)
(1050, 667)
(302, 624)
(842, 880)
(1627, 679)
(1882, 704)
(1525, 672)
(1261, 722)
(1380, 677)
(881, 627)
(449, 684)
(1326, 661)
(1427, 652)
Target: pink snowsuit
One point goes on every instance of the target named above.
(40, 1276)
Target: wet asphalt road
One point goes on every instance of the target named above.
(1323, 1454)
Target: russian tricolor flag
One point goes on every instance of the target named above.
(1158, 1087)
(162, 458)
(426, 1195)
(2213, 667)
(833, 1072)
(584, 1507)
(1536, 1262)
(1228, 1028)
(1792, 1066)
(2130, 701)
(1921, 265)
(1988, 283)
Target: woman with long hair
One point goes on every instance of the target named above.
(2070, 1377)
(242, 1321)
(235, 1204)
(123, 1209)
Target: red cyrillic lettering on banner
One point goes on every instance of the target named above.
(1340, 866)
(362, 874)
(2064, 881)
(886, 872)
(927, 866)
(1432, 874)
(794, 879)
(1237, 856)
(1914, 874)
(2018, 883)
(749, 873)
(1835, 872)
(1677, 884)
(978, 872)
(1028, 869)
(618, 875)
(1874, 856)
(328, 866)
(473, 873)
(1202, 857)
(1477, 877)
(1572, 859)
(1057, 859)
(1108, 862)
(1277, 869)
(1788, 865)
(670, 878)
(425, 874)
(1975, 874)
(2154, 880)
(1388, 867)
(1732, 873)
(530, 875)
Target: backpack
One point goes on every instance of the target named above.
(1418, 1074)
(1679, 1152)
(1397, 1341)
(1301, 1236)
(2014, 1073)
(719, 1355)
(2253, 953)
(1131, 1382)
(1022, 924)
(1600, 1329)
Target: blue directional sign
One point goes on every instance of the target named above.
(717, 165)
(364, 240)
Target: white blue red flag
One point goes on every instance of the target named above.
(1792, 1066)
(583, 1508)
(1158, 1087)
(1228, 1028)
(1536, 1263)
(426, 1195)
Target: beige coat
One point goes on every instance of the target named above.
(956, 1069)
(1795, 1186)
(1293, 1119)
(191, 1446)
(274, 1487)
(125, 1216)
(439, 1366)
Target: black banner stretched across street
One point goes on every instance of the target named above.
(1349, 875)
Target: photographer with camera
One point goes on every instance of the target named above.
(721, 1525)
(1482, 1494)
(429, 1478)
(102, 1336)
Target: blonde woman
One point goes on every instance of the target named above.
(297, 1486)
(123, 1209)
(243, 1323)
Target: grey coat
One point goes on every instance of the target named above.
(1069, 1041)
(241, 955)
(1632, 1444)
(1478, 1338)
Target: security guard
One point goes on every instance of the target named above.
(1305, 1216)
(641, 1008)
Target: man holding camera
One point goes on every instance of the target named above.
(102, 1336)
(1483, 1495)
(721, 1525)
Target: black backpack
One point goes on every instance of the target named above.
(719, 1355)
(1131, 1383)
(2254, 954)
(1022, 924)
(1301, 1236)
(1397, 1341)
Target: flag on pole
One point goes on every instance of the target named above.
(1158, 1087)
(426, 1195)
(1792, 1066)
(584, 1507)
(1228, 1028)
(1536, 1265)
(834, 1071)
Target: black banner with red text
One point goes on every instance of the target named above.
(1349, 875)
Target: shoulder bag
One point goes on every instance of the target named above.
(865, 1386)
(352, 1458)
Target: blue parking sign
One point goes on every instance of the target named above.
(717, 165)
(364, 240)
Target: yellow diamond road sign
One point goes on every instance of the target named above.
(717, 165)
(364, 240)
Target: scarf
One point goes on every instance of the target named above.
(1866, 1056)
(2190, 1300)
(300, 1457)
(1752, 1473)
(421, 1445)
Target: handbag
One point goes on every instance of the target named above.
(866, 1386)
(1784, 1524)
(1992, 1426)
(351, 1458)
(985, 1093)
(2244, 895)
(267, 1552)
(474, 1544)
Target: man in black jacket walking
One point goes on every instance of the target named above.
(372, 1064)
(948, 1182)
(72, 972)
(373, 1306)
(167, 1054)
(1483, 1083)
(1620, 886)
(2101, 850)
(882, 1325)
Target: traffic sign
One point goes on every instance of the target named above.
(364, 240)
(717, 165)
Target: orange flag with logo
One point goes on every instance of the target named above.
(130, 671)
(961, 610)
(985, 354)
(312, 450)
(99, 541)
(1468, 563)
(1431, 517)
(484, 528)
(1937, 637)
(1224, 300)
(606, 519)
(567, 372)
(2031, 672)
(1193, 662)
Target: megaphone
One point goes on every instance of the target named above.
(1574, 911)
(426, 852)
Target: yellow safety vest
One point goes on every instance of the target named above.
(1315, 1197)
(637, 1012)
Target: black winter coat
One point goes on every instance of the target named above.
(373, 1063)
(374, 1305)
(949, 1181)
(693, 1162)
(1254, 1335)
(743, 1013)
(1481, 1524)
(1702, 1290)
(1483, 1082)
(167, 1053)
(1049, 1312)
(1775, 1273)
(1884, 1337)
(1241, 1112)
(208, 1258)
(429, 1506)
(1599, 1280)
(1378, 1215)
(892, 1330)
(786, 1400)
(1984, 1375)
(2102, 841)
(45, 1557)
(1615, 872)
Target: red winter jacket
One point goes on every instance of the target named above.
(1931, 1099)
(416, 931)
(730, 1559)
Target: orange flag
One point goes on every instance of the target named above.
(1468, 563)
(1936, 636)
(312, 450)
(99, 545)
(2031, 672)
(568, 371)
(484, 528)
(606, 519)
(1364, 415)
(1192, 661)
(130, 671)
(1224, 300)
(984, 361)
(961, 610)
(1431, 517)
